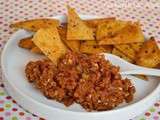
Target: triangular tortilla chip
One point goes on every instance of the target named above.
(129, 49)
(36, 24)
(109, 28)
(119, 33)
(36, 50)
(72, 44)
(136, 46)
(76, 28)
(121, 55)
(149, 54)
(26, 43)
(89, 42)
(49, 42)
(126, 50)
(93, 49)
(95, 22)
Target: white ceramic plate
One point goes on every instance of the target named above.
(13, 63)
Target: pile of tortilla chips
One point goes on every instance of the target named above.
(122, 38)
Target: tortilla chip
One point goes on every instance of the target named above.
(49, 42)
(107, 28)
(36, 24)
(62, 32)
(36, 50)
(95, 22)
(93, 49)
(119, 32)
(74, 45)
(76, 28)
(136, 46)
(121, 55)
(149, 54)
(126, 50)
(89, 42)
(26, 43)
(129, 49)
(108, 48)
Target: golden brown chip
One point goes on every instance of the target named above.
(89, 42)
(126, 50)
(72, 44)
(26, 43)
(76, 28)
(109, 28)
(129, 49)
(94, 22)
(35, 49)
(149, 54)
(119, 32)
(92, 49)
(36, 24)
(62, 32)
(108, 48)
(136, 46)
(121, 55)
(49, 42)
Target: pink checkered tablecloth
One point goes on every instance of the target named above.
(145, 11)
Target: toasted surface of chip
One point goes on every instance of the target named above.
(108, 48)
(119, 32)
(89, 42)
(149, 54)
(72, 44)
(92, 49)
(36, 24)
(136, 46)
(95, 22)
(109, 28)
(49, 42)
(35, 49)
(121, 55)
(62, 32)
(126, 50)
(76, 28)
(26, 43)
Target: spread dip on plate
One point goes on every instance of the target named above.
(89, 80)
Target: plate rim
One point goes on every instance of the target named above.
(142, 101)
